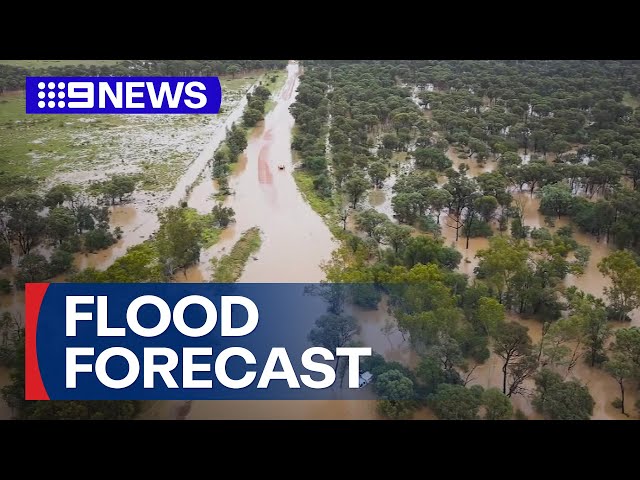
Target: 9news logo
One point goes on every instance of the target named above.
(123, 95)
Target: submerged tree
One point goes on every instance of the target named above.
(624, 272)
(513, 345)
(333, 331)
(624, 362)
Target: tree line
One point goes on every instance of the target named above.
(13, 77)
(63, 221)
(236, 140)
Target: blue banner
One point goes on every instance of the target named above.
(188, 341)
(123, 95)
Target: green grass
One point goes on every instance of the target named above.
(304, 180)
(55, 63)
(630, 101)
(281, 77)
(163, 174)
(38, 147)
(18, 131)
(240, 83)
(229, 267)
(325, 207)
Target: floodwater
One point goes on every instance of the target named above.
(601, 385)
(295, 240)
(475, 168)
(380, 198)
(137, 222)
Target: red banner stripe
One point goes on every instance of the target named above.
(34, 388)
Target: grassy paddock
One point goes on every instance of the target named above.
(39, 147)
(281, 77)
(229, 267)
(304, 180)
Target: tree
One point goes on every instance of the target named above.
(233, 70)
(116, 187)
(60, 262)
(545, 379)
(432, 158)
(407, 206)
(497, 405)
(489, 315)
(592, 327)
(61, 224)
(333, 331)
(486, 206)
(519, 371)
(388, 329)
(98, 239)
(501, 264)
(395, 393)
(463, 192)
(559, 147)
(369, 221)
(455, 402)
(555, 199)
(33, 267)
(178, 240)
(437, 199)
(620, 369)
(25, 224)
(624, 363)
(624, 272)
(430, 374)
(87, 217)
(396, 236)
(59, 194)
(262, 92)
(5, 254)
(222, 215)
(122, 186)
(251, 117)
(424, 249)
(13, 394)
(512, 343)
(390, 141)
(355, 186)
(447, 352)
(378, 173)
(560, 400)
(509, 159)
(236, 141)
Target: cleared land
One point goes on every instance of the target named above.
(78, 149)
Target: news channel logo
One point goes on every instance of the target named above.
(123, 95)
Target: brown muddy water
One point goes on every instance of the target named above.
(137, 223)
(602, 387)
(295, 242)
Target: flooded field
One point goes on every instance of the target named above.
(295, 240)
